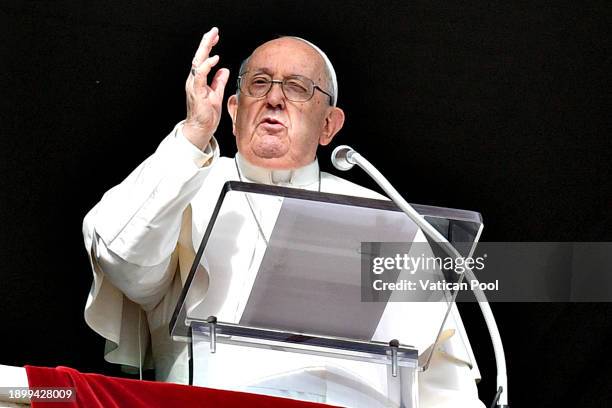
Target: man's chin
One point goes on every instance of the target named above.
(269, 148)
(270, 158)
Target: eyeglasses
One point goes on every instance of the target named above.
(296, 88)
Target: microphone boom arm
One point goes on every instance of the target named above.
(344, 158)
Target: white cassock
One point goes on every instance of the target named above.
(141, 238)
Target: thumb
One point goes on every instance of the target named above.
(219, 81)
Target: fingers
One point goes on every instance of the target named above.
(202, 64)
(202, 71)
(208, 41)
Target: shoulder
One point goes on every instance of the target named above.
(337, 185)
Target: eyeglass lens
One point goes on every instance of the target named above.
(295, 88)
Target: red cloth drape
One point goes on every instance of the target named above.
(99, 391)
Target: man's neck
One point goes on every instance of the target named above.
(302, 177)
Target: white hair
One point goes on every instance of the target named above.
(330, 72)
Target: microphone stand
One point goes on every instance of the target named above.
(344, 158)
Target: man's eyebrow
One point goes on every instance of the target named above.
(268, 71)
(262, 70)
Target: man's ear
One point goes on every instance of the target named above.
(232, 108)
(333, 123)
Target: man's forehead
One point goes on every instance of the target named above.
(286, 54)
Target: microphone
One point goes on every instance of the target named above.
(342, 157)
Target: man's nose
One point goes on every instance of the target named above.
(276, 97)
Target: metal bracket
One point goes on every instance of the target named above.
(394, 344)
(212, 325)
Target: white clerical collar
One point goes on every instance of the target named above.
(303, 177)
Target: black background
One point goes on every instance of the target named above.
(497, 107)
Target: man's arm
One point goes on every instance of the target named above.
(138, 221)
(132, 232)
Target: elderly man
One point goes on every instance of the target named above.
(141, 235)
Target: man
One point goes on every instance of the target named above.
(141, 235)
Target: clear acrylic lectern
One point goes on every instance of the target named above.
(274, 302)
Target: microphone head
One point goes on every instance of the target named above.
(341, 157)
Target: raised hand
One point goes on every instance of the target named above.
(204, 101)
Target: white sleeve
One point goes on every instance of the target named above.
(131, 236)
(139, 219)
(144, 285)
